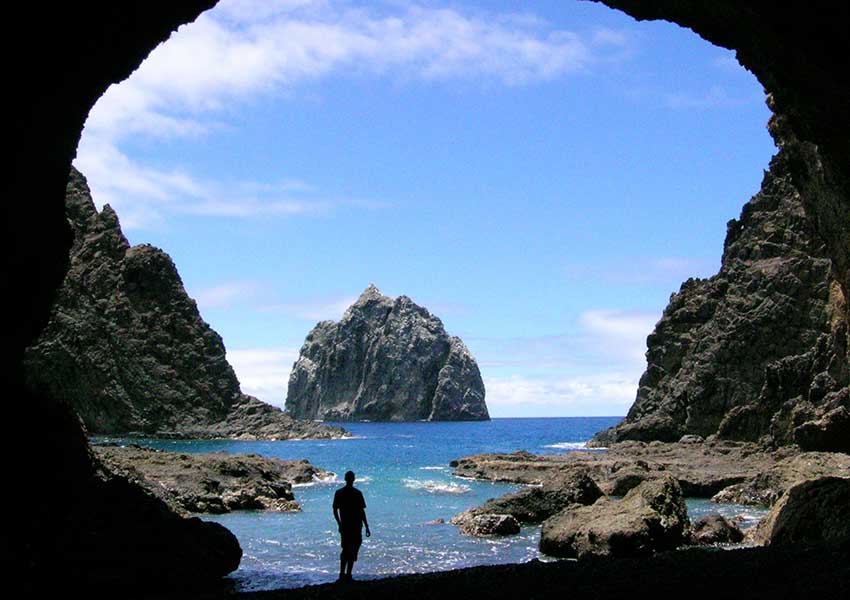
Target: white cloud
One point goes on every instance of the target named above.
(320, 309)
(226, 295)
(244, 49)
(603, 394)
(264, 372)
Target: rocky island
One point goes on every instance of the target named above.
(387, 359)
(127, 349)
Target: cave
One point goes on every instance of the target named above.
(60, 59)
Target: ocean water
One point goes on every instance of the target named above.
(402, 469)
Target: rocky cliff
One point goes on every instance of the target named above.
(126, 347)
(385, 360)
(760, 349)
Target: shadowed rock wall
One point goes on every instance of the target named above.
(59, 58)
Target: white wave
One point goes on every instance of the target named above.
(568, 445)
(436, 487)
(329, 478)
(433, 468)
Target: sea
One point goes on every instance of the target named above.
(403, 471)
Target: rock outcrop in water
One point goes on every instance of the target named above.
(760, 349)
(126, 347)
(212, 482)
(385, 360)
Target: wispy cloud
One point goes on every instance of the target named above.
(648, 270)
(716, 97)
(319, 309)
(246, 49)
(264, 372)
(226, 295)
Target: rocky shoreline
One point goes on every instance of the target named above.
(214, 482)
(576, 496)
(740, 472)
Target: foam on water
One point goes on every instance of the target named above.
(436, 487)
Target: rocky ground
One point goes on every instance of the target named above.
(630, 500)
(214, 482)
(732, 471)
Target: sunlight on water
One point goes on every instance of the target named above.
(402, 469)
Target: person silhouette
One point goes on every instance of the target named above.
(350, 514)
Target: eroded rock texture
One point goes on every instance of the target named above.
(127, 348)
(212, 482)
(760, 348)
(385, 360)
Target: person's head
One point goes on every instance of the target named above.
(349, 477)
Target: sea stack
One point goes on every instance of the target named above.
(387, 359)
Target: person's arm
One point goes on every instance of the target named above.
(365, 521)
(336, 514)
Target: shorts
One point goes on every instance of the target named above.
(351, 543)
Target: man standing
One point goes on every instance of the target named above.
(350, 515)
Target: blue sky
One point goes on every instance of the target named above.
(541, 176)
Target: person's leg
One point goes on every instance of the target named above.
(342, 562)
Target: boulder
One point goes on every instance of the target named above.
(814, 511)
(715, 529)
(535, 505)
(487, 524)
(650, 518)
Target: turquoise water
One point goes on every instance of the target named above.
(402, 469)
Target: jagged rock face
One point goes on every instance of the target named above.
(760, 348)
(127, 348)
(385, 360)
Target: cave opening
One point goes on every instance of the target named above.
(805, 122)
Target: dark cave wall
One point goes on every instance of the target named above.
(58, 58)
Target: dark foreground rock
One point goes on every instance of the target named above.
(652, 517)
(127, 348)
(775, 573)
(715, 529)
(811, 512)
(385, 360)
(214, 482)
(535, 505)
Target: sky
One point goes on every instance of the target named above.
(541, 176)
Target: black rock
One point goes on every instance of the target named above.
(128, 350)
